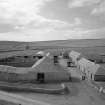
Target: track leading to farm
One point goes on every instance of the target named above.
(81, 93)
(20, 99)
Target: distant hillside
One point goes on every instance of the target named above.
(71, 43)
(9, 45)
(12, 45)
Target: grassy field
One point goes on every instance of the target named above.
(84, 46)
(52, 44)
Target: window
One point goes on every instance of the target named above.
(25, 56)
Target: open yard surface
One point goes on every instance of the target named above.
(80, 94)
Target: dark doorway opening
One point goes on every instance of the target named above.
(40, 77)
(55, 59)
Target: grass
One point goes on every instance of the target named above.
(12, 45)
(4, 102)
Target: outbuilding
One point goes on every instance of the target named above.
(99, 74)
(92, 71)
(47, 71)
(75, 56)
(87, 67)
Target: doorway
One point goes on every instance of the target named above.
(40, 77)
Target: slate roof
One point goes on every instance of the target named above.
(47, 65)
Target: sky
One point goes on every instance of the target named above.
(40, 20)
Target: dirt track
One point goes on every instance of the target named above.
(19, 99)
(80, 94)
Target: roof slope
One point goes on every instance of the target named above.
(74, 55)
(85, 62)
(47, 65)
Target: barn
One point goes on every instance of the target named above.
(91, 70)
(15, 74)
(75, 56)
(19, 61)
(87, 67)
(47, 71)
(20, 58)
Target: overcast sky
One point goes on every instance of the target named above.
(37, 20)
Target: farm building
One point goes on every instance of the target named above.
(14, 74)
(86, 67)
(75, 56)
(99, 74)
(85, 64)
(91, 70)
(42, 71)
(19, 61)
(47, 71)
